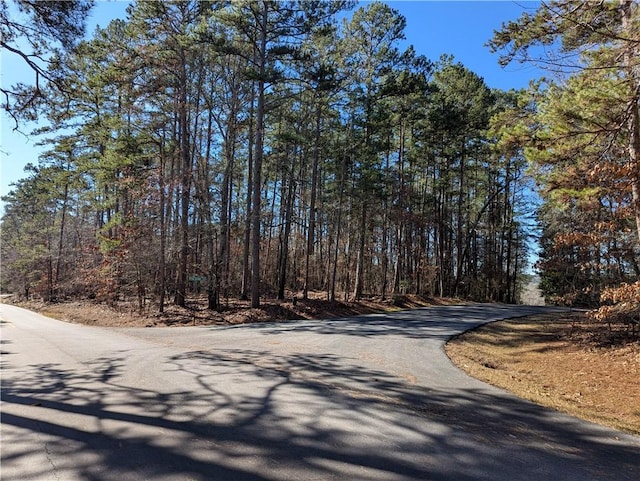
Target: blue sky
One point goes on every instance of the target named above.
(461, 29)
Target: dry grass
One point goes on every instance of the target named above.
(568, 363)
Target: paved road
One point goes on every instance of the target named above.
(369, 398)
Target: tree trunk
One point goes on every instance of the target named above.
(257, 168)
(185, 157)
(246, 248)
(338, 231)
(359, 283)
(61, 234)
(312, 202)
(286, 232)
(633, 123)
(163, 233)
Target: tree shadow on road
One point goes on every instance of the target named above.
(254, 415)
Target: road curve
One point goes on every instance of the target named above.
(365, 398)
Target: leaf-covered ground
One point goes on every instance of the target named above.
(232, 311)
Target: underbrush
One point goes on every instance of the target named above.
(620, 312)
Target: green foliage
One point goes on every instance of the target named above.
(582, 140)
(31, 30)
(195, 127)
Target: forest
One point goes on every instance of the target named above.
(261, 149)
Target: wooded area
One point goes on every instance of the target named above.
(581, 134)
(248, 149)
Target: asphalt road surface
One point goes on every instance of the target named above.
(367, 398)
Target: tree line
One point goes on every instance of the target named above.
(259, 148)
(579, 129)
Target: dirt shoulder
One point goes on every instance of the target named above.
(232, 311)
(567, 363)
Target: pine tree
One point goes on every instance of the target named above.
(584, 137)
(30, 30)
